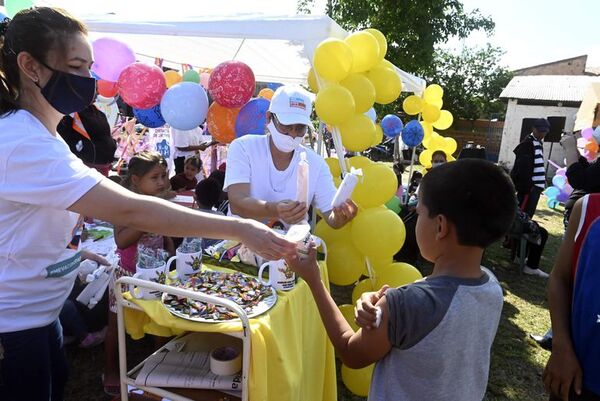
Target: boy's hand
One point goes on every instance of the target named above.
(306, 266)
(365, 311)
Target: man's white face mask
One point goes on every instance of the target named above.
(283, 142)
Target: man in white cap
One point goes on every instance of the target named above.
(261, 175)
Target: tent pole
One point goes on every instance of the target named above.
(238, 49)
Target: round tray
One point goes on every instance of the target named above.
(263, 306)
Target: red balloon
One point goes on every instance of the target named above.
(107, 88)
(221, 122)
(231, 84)
(141, 86)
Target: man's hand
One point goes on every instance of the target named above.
(306, 266)
(266, 242)
(562, 371)
(365, 312)
(342, 214)
(291, 212)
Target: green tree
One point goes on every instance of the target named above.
(412, 27)
(472, 80)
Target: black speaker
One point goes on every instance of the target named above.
(557, 126)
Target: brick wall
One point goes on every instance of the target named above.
(481, 132)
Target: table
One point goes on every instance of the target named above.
(291, 355)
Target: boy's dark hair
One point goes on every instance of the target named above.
(37, 31)
(439, 152)
(194, 162)
(208, 192)
(475, 195)
(219, 176)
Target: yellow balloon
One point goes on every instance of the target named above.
(387, 64)
(433, 92)
(379, 184)
(344, 263)
(348, 313)
(381, 40)
(334, 104)
(430, 113)
(365, 50)
(425, 158)
(172, 77)
(333, 59)
(266, 93)
(312, 81)
(337, 181)
(378, 232)
(377, 263)
(359, 161)
(397, 274)
(445, 121)
(388, 85)
(362, 90)
(378, 135)
(358, 133)
(334, 166)
(436, 102)
(360, 288)
(450, 145)
(358, 381)
(412, 105)
(331, 235)
(427, 128)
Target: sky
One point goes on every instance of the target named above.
(530, 31)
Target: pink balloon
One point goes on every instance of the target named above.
(231, 84)
(587, 133)
(204, 77)
(141, 86)
(562, 171)
(110, 58)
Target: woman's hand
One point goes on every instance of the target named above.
(266, 242)
(85, 254)
(291, 212)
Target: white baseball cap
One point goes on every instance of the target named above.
(292, 105)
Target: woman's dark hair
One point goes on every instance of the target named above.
(141, 163)
(37, 31)
(476, 196)
(208, 192)
(194, 162)
(219, 176)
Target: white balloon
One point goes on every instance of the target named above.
(371, 114)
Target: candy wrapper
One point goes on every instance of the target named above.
(191, 245)
(149, 258)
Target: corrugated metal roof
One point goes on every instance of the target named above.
(560, 88)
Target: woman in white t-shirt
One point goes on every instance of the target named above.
(45, 63)
(261, 169)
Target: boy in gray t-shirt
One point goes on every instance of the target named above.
(431, 340)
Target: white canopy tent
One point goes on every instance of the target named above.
(277, 48)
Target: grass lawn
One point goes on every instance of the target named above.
(517, 362)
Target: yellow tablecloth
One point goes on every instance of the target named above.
(292, 358)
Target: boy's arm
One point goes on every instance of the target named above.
(356, 349)
(125, 236)
(563, 369)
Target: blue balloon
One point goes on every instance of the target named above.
(273, 85)
(552, 192)
(559, 181)
(151, 118)
(3, 17)
(252, 118)
(391, 125)
(552, 203)
(96, 77)
(184, 105)
(413, 133)
(596, 134)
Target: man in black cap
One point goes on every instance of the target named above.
(528, 173)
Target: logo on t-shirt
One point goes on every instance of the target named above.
(297, 102)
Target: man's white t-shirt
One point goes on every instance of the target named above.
(249, 161)
(39, 179)
(183, 139)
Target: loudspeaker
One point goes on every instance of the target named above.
(557, 126)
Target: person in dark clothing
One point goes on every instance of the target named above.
(88, 135)
(528, 173)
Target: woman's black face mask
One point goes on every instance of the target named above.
(68, 93)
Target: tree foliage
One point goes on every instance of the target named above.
(472, 80)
